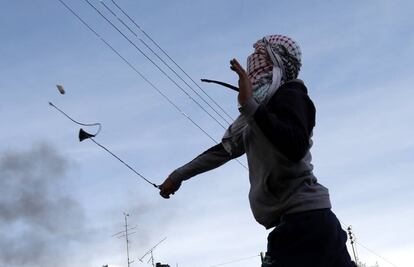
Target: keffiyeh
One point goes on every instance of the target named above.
(274, 51)
(276, 60)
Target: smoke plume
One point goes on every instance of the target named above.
(38, 222)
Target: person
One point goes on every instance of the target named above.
(274, 129)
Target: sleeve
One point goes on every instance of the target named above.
(287, 121)
(208, 160)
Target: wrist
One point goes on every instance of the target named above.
(176, 177)
(249, 107)
(244, 96)
(242, 99)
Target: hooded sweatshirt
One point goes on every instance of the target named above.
(276, 140)
(274, 129)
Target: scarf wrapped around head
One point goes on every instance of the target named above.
(276, 60)
(274, 51)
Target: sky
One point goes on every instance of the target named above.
(61, 200)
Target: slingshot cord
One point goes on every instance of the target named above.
(103, 147)
(123, 162)
(83, 124)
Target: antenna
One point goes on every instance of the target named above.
(150, 252)
(125, 233)
(352, 239)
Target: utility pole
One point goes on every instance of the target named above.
(125, 233)
(352, 239)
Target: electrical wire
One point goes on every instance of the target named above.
(152, 61)
(368, 249)
(161, 93)
(162, 60)
(140, 74)
(136, 70)
(168, 56)
(376, 254)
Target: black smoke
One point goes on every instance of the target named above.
(39, 221)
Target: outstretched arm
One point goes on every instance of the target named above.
(216, 155)
(208, 160)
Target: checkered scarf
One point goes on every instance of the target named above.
(274, 51)
(276, 60)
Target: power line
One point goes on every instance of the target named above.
(168, 56)
(136, 70)
(142, 76)
(376, 254)
(368, 249)
(157, 66)
(153, 62)
(162, 60)
(162, 94)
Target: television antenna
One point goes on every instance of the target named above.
(150, 252)
(353, 240)
(126, 233)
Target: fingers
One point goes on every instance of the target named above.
(165, 192)
(168, 188)
(235, 66)
(164, 195)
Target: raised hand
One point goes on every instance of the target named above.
(245, 86)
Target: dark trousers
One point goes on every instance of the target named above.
(308, 239)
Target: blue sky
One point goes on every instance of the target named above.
(357, 64)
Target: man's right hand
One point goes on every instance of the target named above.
(168, 187)
(245, 85)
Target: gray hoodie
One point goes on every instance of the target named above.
(276, 141)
